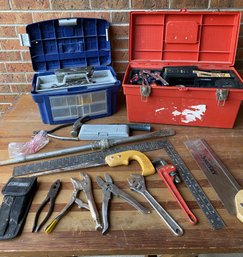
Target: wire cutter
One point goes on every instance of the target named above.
(109, 187)
(51, 197)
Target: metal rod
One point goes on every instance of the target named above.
(102, 144)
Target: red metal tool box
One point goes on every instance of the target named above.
(188, 42)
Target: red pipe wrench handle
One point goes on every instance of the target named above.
(167, 174)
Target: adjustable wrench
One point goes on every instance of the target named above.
(168, 174)
(137, 184)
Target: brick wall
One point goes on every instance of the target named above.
(15, 66)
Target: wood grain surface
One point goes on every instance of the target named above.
(130, 232)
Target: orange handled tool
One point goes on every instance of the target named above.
(168, 174)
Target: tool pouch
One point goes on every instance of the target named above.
(18, 194)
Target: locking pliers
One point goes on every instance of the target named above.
(85, 186)
(109, 187)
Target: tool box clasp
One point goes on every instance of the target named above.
(221, 96)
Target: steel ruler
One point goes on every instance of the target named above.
(211, 214)
(216, 172)
(97, 158)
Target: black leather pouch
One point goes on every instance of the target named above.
(18, 194)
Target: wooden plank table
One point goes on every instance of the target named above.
(130, 232)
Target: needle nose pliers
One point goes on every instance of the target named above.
(51, 197)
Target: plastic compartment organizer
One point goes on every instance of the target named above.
(71, 43)
(74, 42)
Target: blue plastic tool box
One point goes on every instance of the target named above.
(71, 43)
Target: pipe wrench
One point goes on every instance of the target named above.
(169, 175)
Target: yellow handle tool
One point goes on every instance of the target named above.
(51, 226)
(123, 158)
(239, 205)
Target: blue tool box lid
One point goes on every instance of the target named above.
(72, 42)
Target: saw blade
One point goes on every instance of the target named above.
(216, 172)
(81, 161)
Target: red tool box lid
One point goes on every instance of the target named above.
(184, 37)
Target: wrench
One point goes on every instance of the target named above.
(137, 184)
(168, 174)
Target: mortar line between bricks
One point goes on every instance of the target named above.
(5, 67)
(115, 10)
(11, 25)
(11, 89)
(120, 24)
(15, 83)
(72, 10)
(119, 49)
(120, 38)
(111, 17)
(10, 4)
(15, 73)
(50, 3)
(21, 25)
(22, 57)
(6, 104)
(18, 62)
(6, 94)
(16, 32)
(20, 92)
(14, 50)
(120, 62)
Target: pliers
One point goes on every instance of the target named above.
(84, 185)
(51, 197)
(109, 187)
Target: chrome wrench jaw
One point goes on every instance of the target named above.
(109, 188)
(137, 184)
(105, 206)
(87, 188)
(132, 201)
(106, 196)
